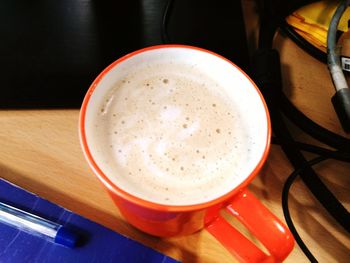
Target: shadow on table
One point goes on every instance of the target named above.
(308, 215)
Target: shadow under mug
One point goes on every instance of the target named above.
(170, 220)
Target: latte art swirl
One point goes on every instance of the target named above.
(169, 134)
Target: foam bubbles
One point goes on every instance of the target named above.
(171, 134)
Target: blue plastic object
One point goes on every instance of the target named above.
(66, 237)
(96, 243)
(35, 225)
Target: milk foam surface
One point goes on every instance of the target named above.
(169, 134)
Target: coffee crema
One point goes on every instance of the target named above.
(169, 134)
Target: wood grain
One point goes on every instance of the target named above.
(40, 151)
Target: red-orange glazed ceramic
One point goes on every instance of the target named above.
(170, 220)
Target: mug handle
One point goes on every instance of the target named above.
(264, 225)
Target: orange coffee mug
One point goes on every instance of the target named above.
(112, 94)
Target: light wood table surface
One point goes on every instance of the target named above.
(40, 151)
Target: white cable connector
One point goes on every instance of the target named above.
(339, 80)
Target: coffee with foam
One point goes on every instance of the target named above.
(169, 133)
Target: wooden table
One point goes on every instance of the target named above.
(40, 151)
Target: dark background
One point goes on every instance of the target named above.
(50, 51)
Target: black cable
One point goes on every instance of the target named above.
(268, 78)
(332, 54)
(165, 22)
(318, 54)
(268, 22)
(336, 155)
(265, 40)
(285, 194)
(309, 176)
(270, 85)
(310, 127)
(341, 98)
(301, 42)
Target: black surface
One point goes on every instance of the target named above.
(51, 50)
(341, 104)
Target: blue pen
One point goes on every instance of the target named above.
(36, 225)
